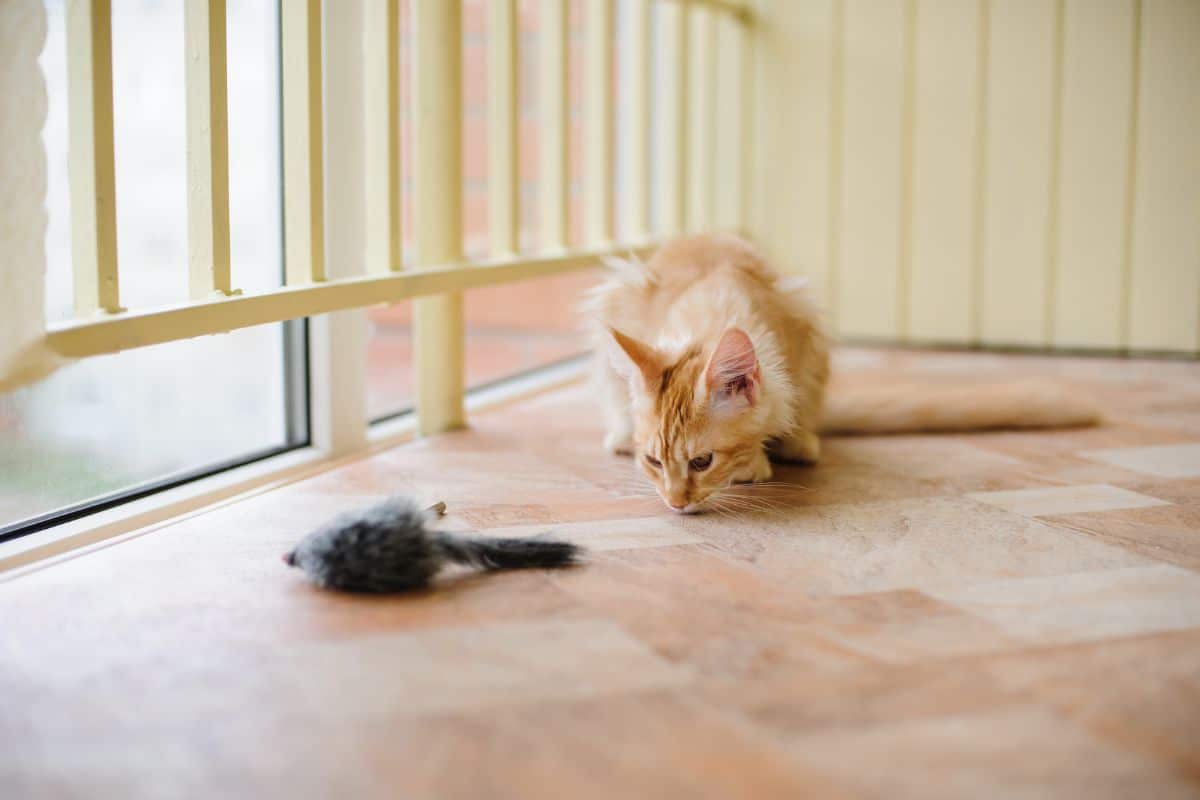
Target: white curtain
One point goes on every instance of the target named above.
(23, 356)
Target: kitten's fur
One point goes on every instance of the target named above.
(705, 350)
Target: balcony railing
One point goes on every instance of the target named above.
(694, 141)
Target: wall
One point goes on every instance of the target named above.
(998, 172)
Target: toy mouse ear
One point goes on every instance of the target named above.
(638, 363)
(733, 375)
(435, 511)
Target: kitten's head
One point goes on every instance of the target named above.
(697, 418)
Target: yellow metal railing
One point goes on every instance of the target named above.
(699, 147)
(208, 149)
(93, 175)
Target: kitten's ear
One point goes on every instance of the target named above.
(733, 376)
(638, 363)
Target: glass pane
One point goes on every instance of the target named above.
(517, 327)
(389, 361)
(106, 424)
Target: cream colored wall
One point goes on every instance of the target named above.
(1004, 172)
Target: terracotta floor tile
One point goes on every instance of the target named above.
(645, 745)
(619, 534)
(942, 464)
(468, 668)
(937, 542)
(1140, 692)
(1062, 468)
(698, 610)
(1180, 491)
(904, 627)
(1065, 500)
(1165, 533)
(504, 515)
(1166, 461)
(363, 678)
(1086, 605)
(1185, 422)
(1017, 752)
(863, 695)
(1032, 445)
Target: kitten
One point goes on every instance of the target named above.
(710, 365)
(709, 361)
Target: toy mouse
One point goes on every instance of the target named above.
(390, 547)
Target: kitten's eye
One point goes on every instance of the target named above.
(701, 463)
(652, 461)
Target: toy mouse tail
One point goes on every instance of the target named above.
(509, 553)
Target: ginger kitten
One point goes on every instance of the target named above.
(710, 360)
(710, 363)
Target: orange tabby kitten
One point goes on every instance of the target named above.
(710, 362)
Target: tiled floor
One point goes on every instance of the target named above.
(1003, 614)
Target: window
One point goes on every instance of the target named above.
(121, 425)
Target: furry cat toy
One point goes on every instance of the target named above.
(390, 547)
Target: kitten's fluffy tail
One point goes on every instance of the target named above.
(971, 407)
(508, 553)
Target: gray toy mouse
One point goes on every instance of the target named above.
(390, 547)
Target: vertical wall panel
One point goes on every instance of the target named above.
(702, 123)
(504, 196)
(1018, 163)
(598, 123)
(869, 274)
(985, 171)
(1097, 102)
(1165, 280)
(798, 179)
(673, 140)
(946, 119)
(635, 202)
(732, 104)
(552, 100)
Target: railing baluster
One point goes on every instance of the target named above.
(92, 173)
(598, 121)
(207, 149)
(731, 99)
(673, 131)
(553, 100)
(381, 92)
(437, 201)
(702, 126)
(303, 179)
(503, 182)
(637, 179)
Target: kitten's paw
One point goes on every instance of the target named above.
(803, 447)
(619, 444)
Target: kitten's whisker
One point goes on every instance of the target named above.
(750, 504)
